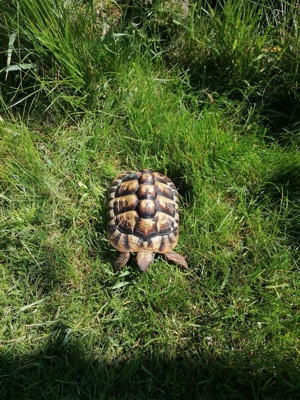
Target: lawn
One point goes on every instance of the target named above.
(206, 93)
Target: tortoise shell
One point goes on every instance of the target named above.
(143, 214)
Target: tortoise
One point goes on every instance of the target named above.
(143, 218)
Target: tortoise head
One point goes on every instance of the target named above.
(144, 259)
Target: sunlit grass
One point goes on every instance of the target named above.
(228, 327)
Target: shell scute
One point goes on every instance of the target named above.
(146, 228)
(125, 203)
(146, 191)
(146, 178)
(126, 188)
(165, 191)
(126, 223)
(165, 224)
(147, 208)
(166, 206)
(133, 176)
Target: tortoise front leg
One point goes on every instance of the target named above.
(121, 261)
(176, 258)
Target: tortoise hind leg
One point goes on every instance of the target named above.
(176, 258)
(121, 261)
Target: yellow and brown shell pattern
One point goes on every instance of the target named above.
(143, 217)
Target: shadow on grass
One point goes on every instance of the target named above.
(182, 179)
(281, 112)
(285, 181)
(283, 192)
(67, 371)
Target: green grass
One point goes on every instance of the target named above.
(92, 89)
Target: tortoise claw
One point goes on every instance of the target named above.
(176, 258)
(122, 260)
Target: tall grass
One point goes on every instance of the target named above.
(63, 55)
(55, 57)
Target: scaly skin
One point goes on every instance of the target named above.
(122, 260)
(146, 258)
(176, 258)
